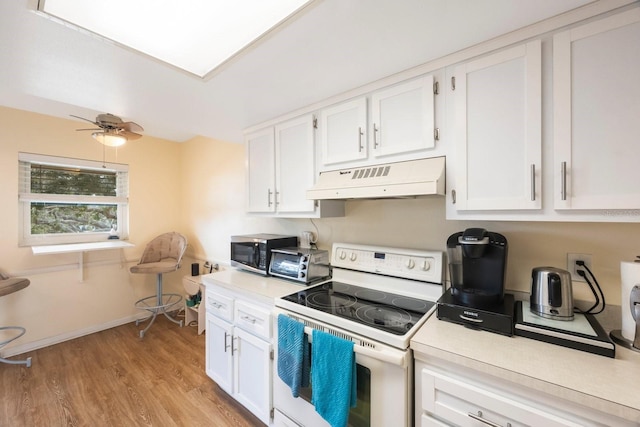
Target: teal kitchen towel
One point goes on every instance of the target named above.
(291, 344)
(333, 377)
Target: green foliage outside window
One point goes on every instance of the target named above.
(55, 218)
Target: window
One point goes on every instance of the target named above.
(66, 200)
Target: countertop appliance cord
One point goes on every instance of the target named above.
(595, 294)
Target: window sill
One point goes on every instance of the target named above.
(80, 248)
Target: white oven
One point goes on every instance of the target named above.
(366, 280)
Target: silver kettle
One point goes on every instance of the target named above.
(551, 293)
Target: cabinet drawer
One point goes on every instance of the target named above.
(219, 305)
(253, 319)
(470, 404)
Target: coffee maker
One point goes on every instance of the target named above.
(477, 266)
(477, 269)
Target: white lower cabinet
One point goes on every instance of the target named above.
(458, 397)
(239, 350)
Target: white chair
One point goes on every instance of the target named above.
(162, 255)
(9, 285)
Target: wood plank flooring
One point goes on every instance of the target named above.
(112, 378)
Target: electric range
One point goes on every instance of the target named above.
(380, 293)
(378, 297)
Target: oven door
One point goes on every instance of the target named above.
(383, 387)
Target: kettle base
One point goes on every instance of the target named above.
(548, 313)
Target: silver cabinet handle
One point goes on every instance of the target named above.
(360, 134)
(533, 182)
(375, 137)
(225, 342)
(485, 421)
(269, 193)
(232, 340)
(563, 180)
(276, 197)
(248, 319)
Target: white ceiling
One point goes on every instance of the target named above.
(331, 47)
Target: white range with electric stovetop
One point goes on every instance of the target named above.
(378, 298)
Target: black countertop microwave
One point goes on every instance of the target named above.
(253, 252)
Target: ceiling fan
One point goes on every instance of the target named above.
(112, 131)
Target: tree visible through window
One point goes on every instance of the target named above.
(68, 200)
(72, 218)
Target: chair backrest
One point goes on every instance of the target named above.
(168, 245)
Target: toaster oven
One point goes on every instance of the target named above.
(303, 265)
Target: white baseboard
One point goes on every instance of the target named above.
(35, 345)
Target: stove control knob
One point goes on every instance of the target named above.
(342, 255)
(353, 256)
(426, 265)
(410, 263)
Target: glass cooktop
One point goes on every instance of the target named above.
(389, 312)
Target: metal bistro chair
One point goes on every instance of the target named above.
(9, 285)
(162, 255)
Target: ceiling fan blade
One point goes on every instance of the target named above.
(91, 129)
(131, 135)
(86, 120)
(132, 127)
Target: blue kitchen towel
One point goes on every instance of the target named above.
(291, 343)
(333, 377)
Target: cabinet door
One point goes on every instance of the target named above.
(260, 171)
(498, 130)
(596, 114)
(219, 360)
(344, 132)
(295, 165)
(252, 374)
(403, 118)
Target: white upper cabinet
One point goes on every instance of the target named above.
(597, 115)
(294, 159)
(497, 131)
(403, 118)
(344, 132)
(261, 171)
(400, 125)
(281, 165)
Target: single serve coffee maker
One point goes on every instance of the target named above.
(477, 266)
(477, 270)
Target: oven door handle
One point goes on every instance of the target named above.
(397, 358)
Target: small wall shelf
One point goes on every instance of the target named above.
(80, 248)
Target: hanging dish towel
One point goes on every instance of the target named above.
(291, 349)
(333, 377)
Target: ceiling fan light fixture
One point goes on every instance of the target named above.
(109, 139)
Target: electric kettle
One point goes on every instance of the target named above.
(551, 293)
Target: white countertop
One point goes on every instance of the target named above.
(255, 286)
(606, 384)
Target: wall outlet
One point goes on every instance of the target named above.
(573, 268)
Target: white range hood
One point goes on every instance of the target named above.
(414, 178)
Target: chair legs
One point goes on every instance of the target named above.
(156, 304)
(20, 330)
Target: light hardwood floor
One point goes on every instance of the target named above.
(112, 378)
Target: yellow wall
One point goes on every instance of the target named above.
(57, 304)
(197, 188)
